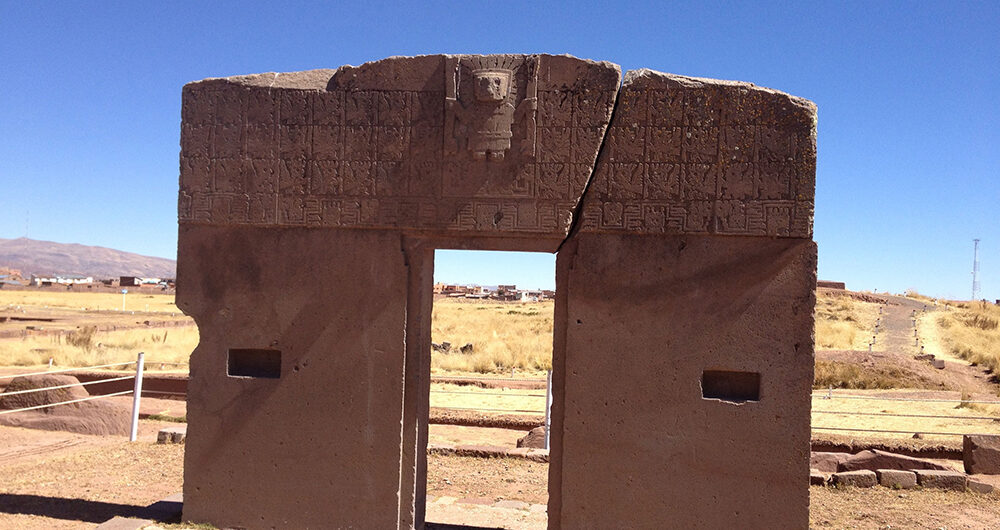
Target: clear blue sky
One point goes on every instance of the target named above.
(909, 106)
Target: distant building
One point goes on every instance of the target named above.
(68, 279)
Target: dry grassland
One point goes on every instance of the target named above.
(843, 323)
(837, 374)
(966, 330)
(75, 338)
(954, 418)
(87, 347)
(504, 336)
(150, 303)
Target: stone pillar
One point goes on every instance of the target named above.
(295, 398)
(690, 286)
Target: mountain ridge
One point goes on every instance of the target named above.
(38, 257)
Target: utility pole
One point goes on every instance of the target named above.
(975, 269)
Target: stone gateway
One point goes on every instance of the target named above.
(680, 210)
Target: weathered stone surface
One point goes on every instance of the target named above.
(942, 479)
(703, 156)
(42, 397)
(496, 144)
(85, 417)
(334, 411)
(816, 478)
(938, 363)
(981, 454)
(681, 306)
(979, 486)
(873, 459)
(859, 479)
(172, 435)
(535, 438)
(896, 478)
(311, 204)
(827, 461)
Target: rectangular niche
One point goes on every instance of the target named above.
(252, 362)
(737, 387)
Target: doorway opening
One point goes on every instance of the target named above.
(491, 361)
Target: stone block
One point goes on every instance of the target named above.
(816, 478)
(171, 435)
(859, 479)
(539, 455)
(979, 486)
(875, 459)
(827, 462)
(535, 438)
(981, 454)
(941, 479)
(938, 363)
(896, 478)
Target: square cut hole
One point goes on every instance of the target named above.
(737, 387)
(252, 362)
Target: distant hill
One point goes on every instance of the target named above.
(47, 257)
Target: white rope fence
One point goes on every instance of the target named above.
(547, 396)
(136, 390)
(829, 395)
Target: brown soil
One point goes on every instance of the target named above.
(861, 297)
(494, 478)
(462, 435)
(917, 374)
(62, 480)
(473, 418)
(886, 508)
(488, 383)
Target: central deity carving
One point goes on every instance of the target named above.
(484, 101)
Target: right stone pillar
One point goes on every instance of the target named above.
(684, 344)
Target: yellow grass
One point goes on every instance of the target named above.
(836, 374)
(504, 336)
(154, 303)
(843, 323)
(954, 423)
(75, 340)
(161, 345)
(518, 401)
(966, 330)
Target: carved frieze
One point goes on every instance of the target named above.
(497, 144)
(700, 156)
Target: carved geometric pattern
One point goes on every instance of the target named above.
(697, 156)
(374, 156)
(682, 155)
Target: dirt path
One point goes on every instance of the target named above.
(896, 350)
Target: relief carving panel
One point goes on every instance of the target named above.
(500, 143)
(497, 144)
(688, 155)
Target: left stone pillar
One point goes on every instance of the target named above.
(295, 403)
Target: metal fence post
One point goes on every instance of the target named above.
(548, 407)
(136, 394)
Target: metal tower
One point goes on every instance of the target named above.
(975, 269)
